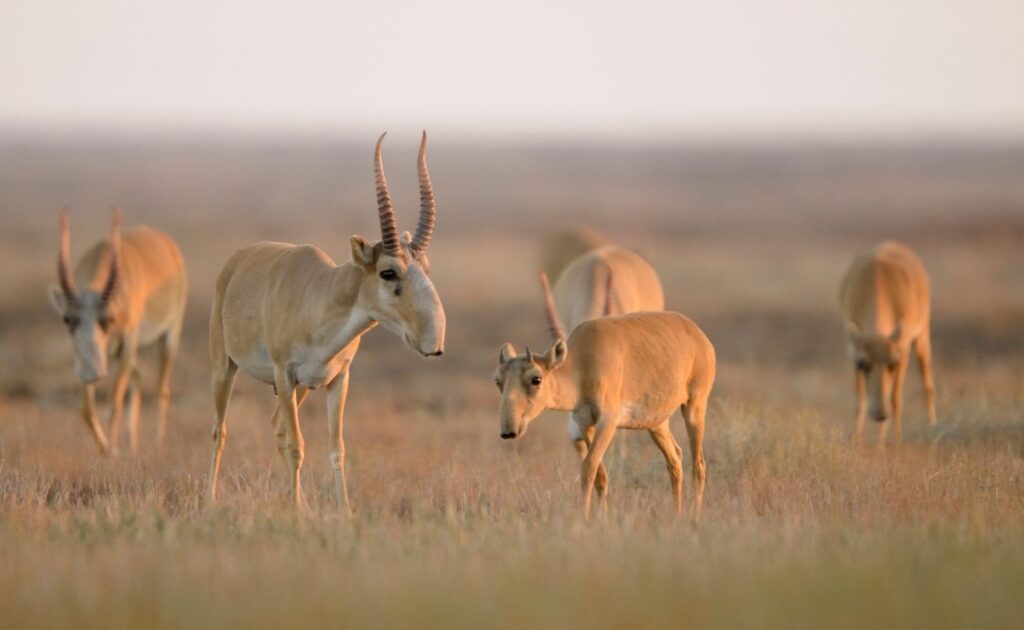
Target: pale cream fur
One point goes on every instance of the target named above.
(146, 306)
(885, 299)
(629, 371)
(289, 316)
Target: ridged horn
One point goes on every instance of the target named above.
(428, 205)
(115, 257)
(63, 255)
(385, 211)
(529, 354)
(554, 325)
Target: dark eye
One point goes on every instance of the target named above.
(71, 321)
(388, 274)
(863, 365)
(535, 380)
(104, 322)
(498, 383)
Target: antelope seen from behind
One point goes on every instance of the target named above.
(125, 293)
(290, 317)
(607, 280)
(886, 303)
(624, 372)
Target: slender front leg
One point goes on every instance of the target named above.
(134, 402)
(673, 453)
(603, 434)
(168, 352)
(581, 440)
(281, 428)
(693, 415)
(601, 479)
(89, 415)
(337, 394)
(289, 410)
(860, 385)
(897, 398)
(923, 349)
(126, 367)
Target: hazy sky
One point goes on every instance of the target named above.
(603, 68)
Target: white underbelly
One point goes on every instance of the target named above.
(257, 364)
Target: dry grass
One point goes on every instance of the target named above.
(453, 527)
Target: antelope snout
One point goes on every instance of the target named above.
(509, 435)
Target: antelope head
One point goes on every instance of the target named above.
(87, 312)
(878, 358)
(396, 289)
(524, 380)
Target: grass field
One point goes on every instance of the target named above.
(453, 526)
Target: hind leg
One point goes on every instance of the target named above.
(693, 415)
(168, 352)
(134, 403)
(923, 349)
(673, 453)
(223, 382)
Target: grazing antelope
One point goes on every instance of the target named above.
(630, 372)
(885, 299)
(290, 317)
(564, 246)
(127, 292)
(607, 280)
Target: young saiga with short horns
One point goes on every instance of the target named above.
(886, 303)
(126, 292)
(290, 317)
(625, 372)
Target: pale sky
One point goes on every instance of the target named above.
(526, 67)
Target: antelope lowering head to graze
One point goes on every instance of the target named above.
(885, 299)
(560, 248)
(290, 317)
(607, 280)
(630, 372)
(126, 292)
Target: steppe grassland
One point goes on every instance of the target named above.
(452, 526)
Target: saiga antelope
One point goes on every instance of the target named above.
(607, 280)
(885, 298)
(630, 372)
(126, 292)
(560, 248)
(290, 317)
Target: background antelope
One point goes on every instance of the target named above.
(559, 248)
(289, 316)
(125, 293)
(629, 371)
(885, 298)
(607, 280)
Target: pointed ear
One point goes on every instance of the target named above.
(57, 298)
(507, 353)
(895, 336)
(362, 252)
(556, 354)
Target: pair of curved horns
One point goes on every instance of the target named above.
(386, 211)
(67, 285)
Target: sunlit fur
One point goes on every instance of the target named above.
(630, 371)
(289, 316)
(146, 307)
(607, 280)
(885, 299)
